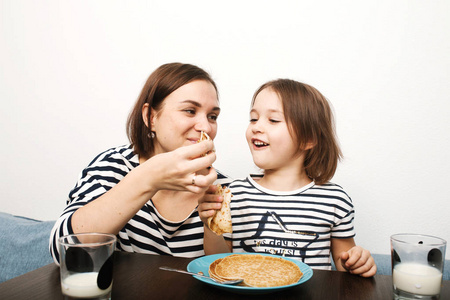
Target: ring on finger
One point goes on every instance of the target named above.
(193, 179)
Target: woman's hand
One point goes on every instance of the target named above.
(183, 169)
(358, 261)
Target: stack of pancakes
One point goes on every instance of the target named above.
(256, 270)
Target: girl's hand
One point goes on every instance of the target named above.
(358, 261)
(180, 169)
(209, 204)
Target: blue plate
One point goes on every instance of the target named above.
(201, 264)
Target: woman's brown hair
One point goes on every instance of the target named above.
(160, 84)
(311, 122)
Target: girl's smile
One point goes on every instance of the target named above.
(258, 144)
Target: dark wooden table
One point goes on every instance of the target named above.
(136, 276)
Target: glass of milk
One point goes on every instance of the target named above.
(86, 265)
(417, 265)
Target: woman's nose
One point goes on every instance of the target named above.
(202, 124)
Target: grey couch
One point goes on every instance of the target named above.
(23, 245)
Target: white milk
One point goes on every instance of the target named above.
(83, 285)
(417, 279)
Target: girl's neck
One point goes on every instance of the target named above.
(284, 180)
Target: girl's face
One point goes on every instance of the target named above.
(186, 112)
(268, 136)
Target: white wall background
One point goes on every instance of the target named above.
(72, 70)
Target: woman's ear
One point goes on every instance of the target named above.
(309, 146)
(145, 115)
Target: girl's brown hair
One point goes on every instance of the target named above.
(311, 122)
(160, 84)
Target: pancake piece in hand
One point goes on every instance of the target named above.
(221, 221)
(204, 137)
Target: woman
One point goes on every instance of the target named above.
(147, 192)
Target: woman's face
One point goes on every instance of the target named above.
(186, 112)
(268, 135)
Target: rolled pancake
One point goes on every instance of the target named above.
(221, 221)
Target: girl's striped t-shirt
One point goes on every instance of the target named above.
(298, 224)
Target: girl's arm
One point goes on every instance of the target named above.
(354, 259)
(213, 243)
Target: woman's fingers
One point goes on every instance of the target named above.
(197, 150)
(198, 183)
(203, 160)
(200, 149)
(204, 180)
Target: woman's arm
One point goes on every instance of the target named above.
(93, 208)
(112, 210)
(168, 171)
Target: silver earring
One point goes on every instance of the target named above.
(151, 135)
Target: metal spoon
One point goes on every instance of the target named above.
(195, 274)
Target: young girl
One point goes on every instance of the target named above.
(292, 210)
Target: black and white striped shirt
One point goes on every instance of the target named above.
(297, 224)
(147, 231)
